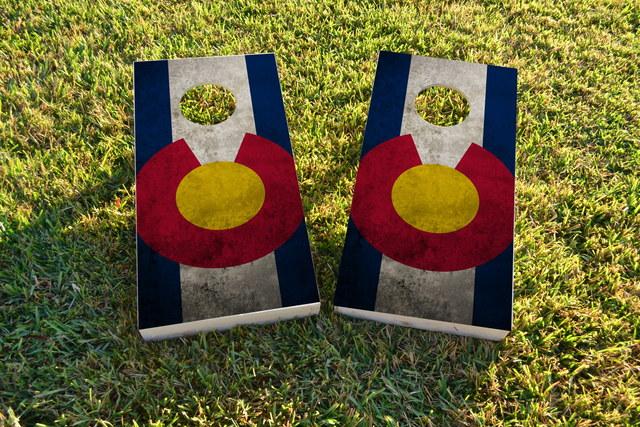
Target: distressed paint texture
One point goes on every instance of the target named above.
(219, 142)
(158, 278)
(254, 259)
(219, 292)
(394, 270)
(408, 291)
(444, 146)
(438, 144)
(478, 242)
(215, 143)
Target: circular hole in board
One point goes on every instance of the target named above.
(442, 106)
(207, 104)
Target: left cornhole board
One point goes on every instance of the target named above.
(221, 237)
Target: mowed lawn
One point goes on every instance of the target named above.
(69, 350)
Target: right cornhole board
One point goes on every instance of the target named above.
(430, 238)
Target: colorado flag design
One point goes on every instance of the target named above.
(221, 237)
(430, 238)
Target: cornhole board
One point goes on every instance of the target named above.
(430, 237)
(221, 236)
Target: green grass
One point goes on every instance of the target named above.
(69, 350)
(207, 104)
(442, 106)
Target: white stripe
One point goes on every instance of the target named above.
(404, 290)
(215, 292)
(437, 144)
(437, 295)
(219, 142)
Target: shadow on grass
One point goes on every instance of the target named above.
(71, 350)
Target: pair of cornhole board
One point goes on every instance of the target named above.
(221, 235)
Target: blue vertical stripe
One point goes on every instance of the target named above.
(296, 275)
(387, 100)
(360, 266)
(359, 272)
(159, 300)
(493, 292)
(152, 109)
(500, 115)
(266, 99)
(295, 270)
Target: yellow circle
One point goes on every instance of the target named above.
(435, 198)
(220, 195)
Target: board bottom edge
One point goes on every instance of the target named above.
(426, 324)
(227, 322)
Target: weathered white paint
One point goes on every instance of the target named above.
(438, 144)
(219, 142)
(214, 292)
(404, 290)
(445, 296)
